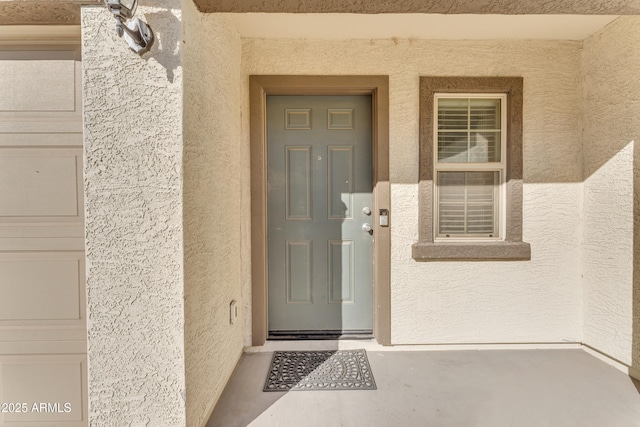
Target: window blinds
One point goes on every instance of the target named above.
(467, 202)
(468, 130)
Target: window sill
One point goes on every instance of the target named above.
(471, 251)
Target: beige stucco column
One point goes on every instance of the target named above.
(134, 234)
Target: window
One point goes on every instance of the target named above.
(471, 169)
(469, 165)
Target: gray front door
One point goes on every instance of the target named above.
(319, 192)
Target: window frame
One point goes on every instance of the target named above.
(510, 245)
(499, 167)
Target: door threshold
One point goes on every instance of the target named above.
(319, 335)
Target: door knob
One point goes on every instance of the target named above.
(366, 227)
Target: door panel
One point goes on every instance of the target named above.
(298, 176)
(298, 271)
(319, 181)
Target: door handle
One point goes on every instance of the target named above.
(366, 227)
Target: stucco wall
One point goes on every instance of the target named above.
(470, 302)
(133, 192)
(212, 206)
(611, 67)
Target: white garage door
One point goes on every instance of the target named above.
(42, 280)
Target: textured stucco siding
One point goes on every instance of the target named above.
(212, 206)
(134, 234)
(611, 67)
(470, 302)
(42, 12)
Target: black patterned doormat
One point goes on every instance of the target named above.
(319, 370)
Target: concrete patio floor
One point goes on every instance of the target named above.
(492, 388)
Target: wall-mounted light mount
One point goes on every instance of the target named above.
(137, 33)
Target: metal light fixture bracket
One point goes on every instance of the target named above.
(137, 33)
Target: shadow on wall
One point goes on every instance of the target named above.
(168, 35)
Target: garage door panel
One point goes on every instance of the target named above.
(47, 244)
(39, 140)
(40, 287)
(15, 124)
(39, 182)
(77, 345)
(42, 300)
(40, 54)
(40, 81)
(46, 388)
(55, 90)
(20, 228)
(47, 185)
(41, 94)
(50, 335)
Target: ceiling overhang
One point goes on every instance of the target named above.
(67, 12)
(499, 7)
(417, 26)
